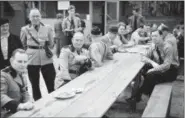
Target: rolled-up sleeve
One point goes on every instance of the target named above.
(168, 51)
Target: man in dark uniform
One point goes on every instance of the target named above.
(14, 89)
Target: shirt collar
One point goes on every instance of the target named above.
(13, 72)
(5, 36)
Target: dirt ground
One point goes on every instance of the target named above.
(121, 109)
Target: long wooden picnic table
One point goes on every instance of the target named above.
(101, 87)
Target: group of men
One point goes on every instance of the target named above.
(31, 55)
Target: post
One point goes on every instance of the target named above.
(91, 12)
(64, 13)
(118, 10)
(105, 18)
(2, 8)
(39, 2)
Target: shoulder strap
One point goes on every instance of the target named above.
(32, 37)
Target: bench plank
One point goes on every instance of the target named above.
(159, 102)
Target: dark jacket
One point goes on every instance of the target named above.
(14, 42)
(140, 21)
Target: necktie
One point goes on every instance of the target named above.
(159, 54)
(72, 23)
(135, 22)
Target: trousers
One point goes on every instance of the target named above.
(151, 79)
(48, 72)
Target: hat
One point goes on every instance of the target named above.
(95, 30)
(163, 27)
(113, 29)
(3, 21)
(71, 7)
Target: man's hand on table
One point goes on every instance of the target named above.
(25, 106)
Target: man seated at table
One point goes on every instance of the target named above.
(14, 89)
(99, 51)
(103, 47)
(161, 66)
(139, 36)
(73, 58)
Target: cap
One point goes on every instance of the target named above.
(3, 21)
(95, 30)
(113, 29)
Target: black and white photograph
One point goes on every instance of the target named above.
(96, 58)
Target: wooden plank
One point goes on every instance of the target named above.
(159, 101)
(112, 93)
(93, 77)
(79, 108)
(60, 105)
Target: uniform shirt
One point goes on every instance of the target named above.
(4, 46)
(168, 56)
(14, 89)
(66, 24)
(45, 33)
(99, 52)
(68, 62)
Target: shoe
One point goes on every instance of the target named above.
(132, 99)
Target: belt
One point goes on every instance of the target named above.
(36, 47)
(73, 71)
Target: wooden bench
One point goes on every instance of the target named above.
(159, 102)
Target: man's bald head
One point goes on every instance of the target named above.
(78, 40)
(35, 16)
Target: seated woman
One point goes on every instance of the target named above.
(122, 32)
(161, 66)
(74, 60)
(139, 36)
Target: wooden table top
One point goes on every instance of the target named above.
(101, 87)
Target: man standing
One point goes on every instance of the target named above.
(59, 35)
(71, 24)
(136, 20)
(8, 43)
(36, 37)
(83, 25)
(14, 87)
